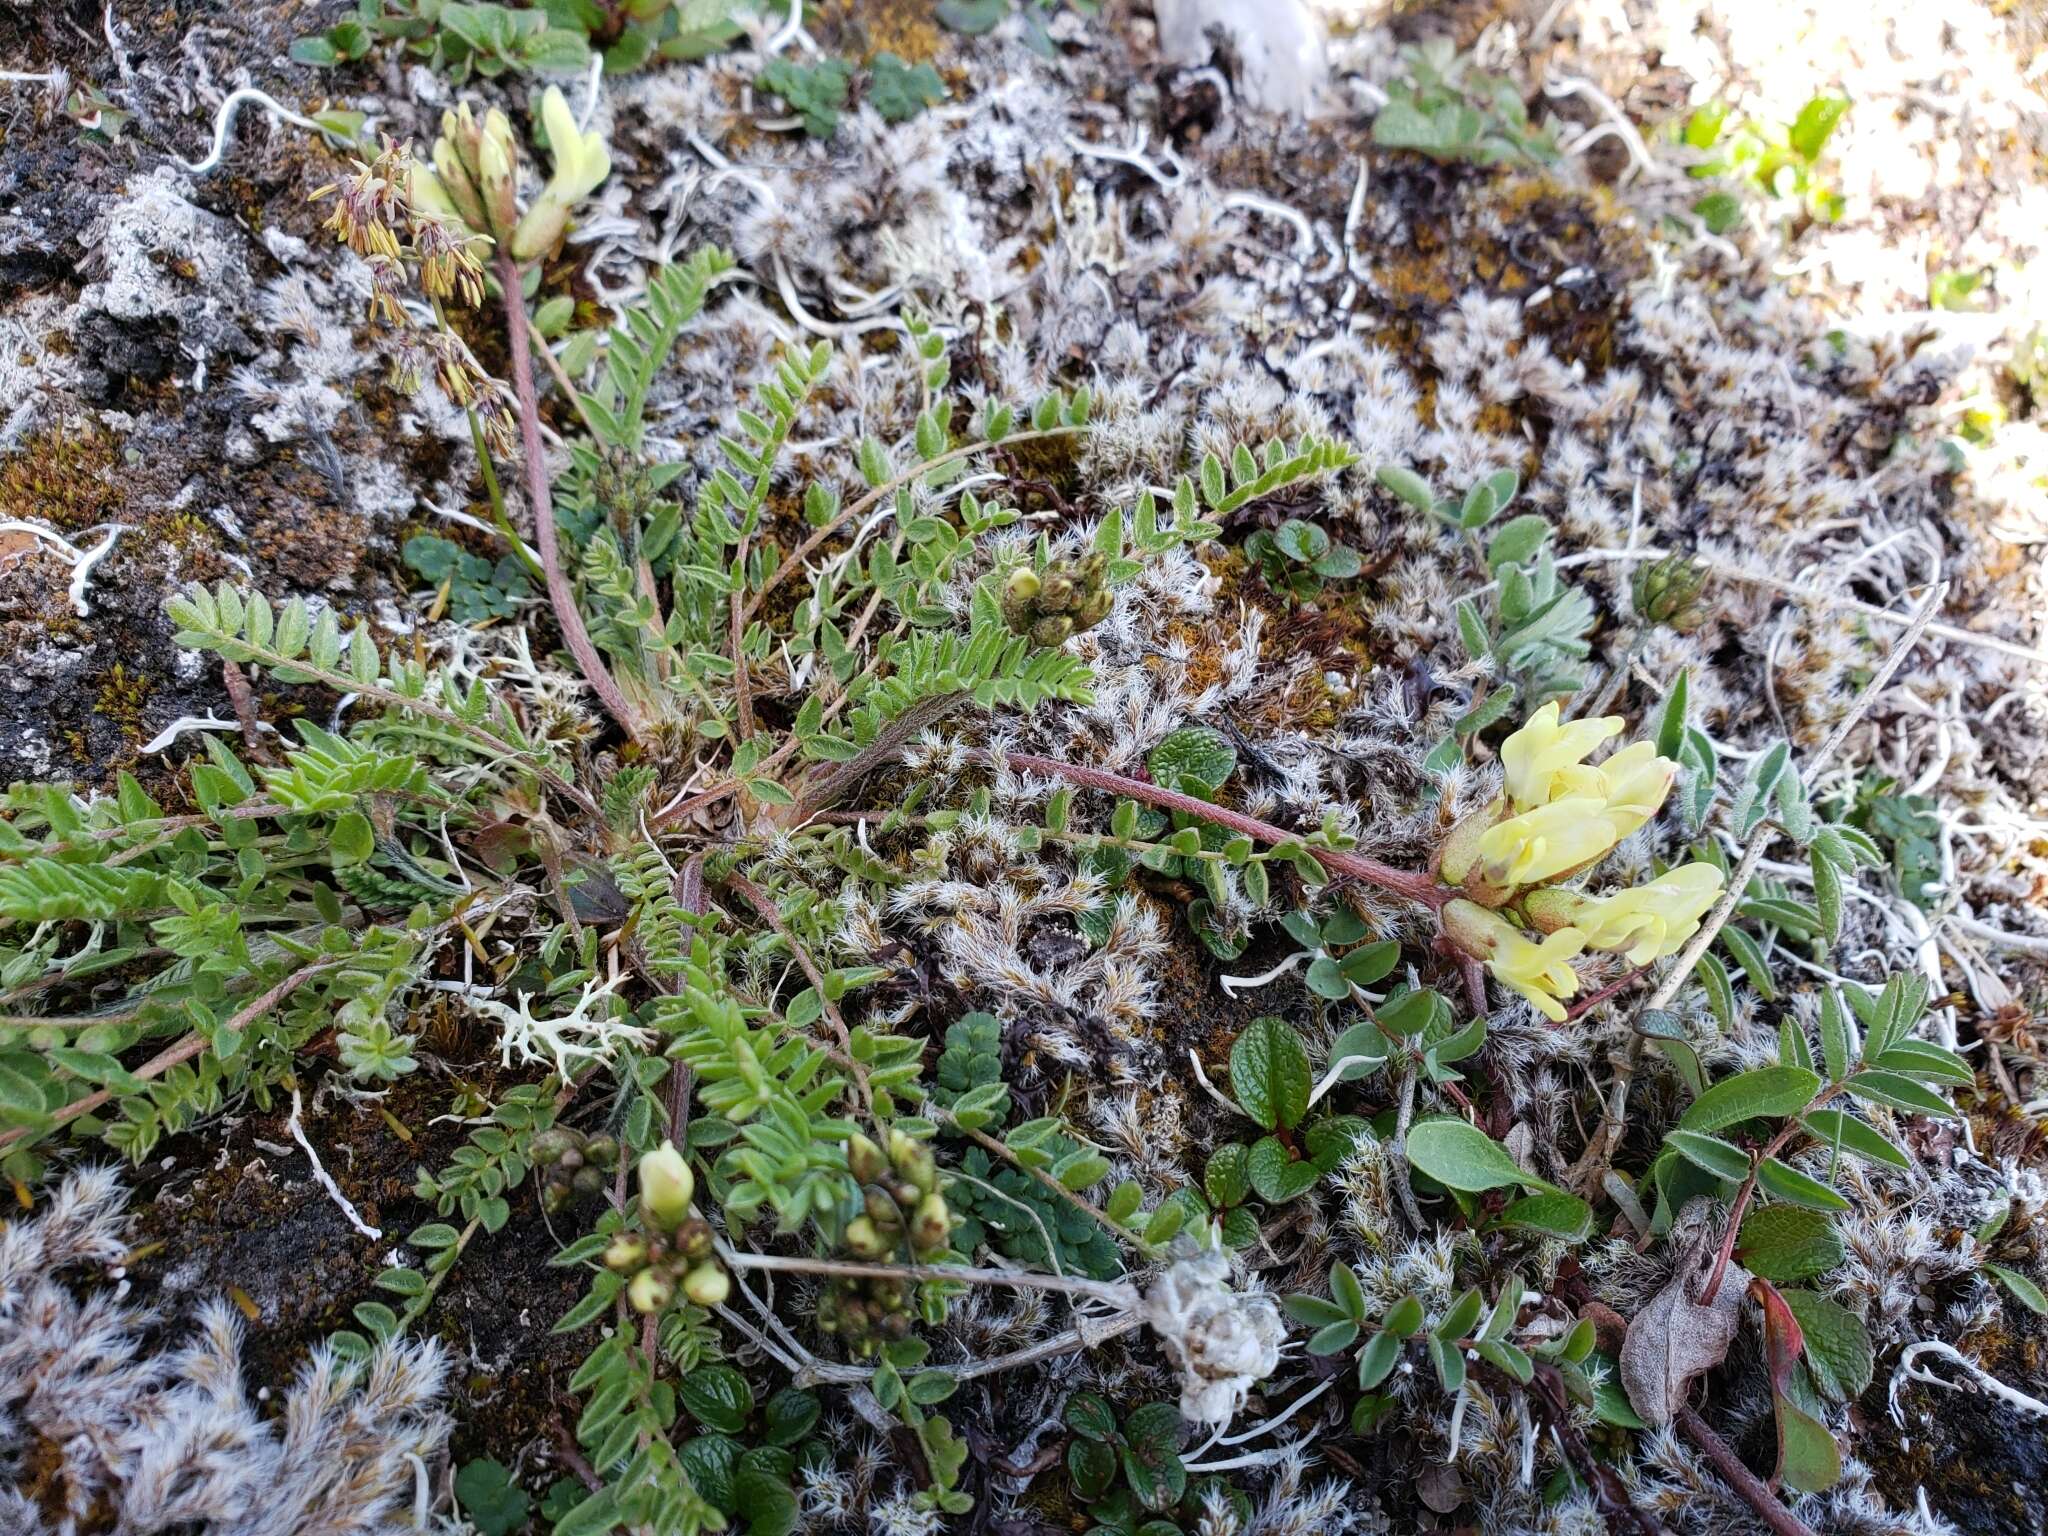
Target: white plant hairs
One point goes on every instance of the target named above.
(109, 1419)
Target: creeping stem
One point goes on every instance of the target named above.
(1419, 888)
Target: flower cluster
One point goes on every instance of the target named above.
(1559, 816)
(673, 1243)
(390, 212)
(476, 176)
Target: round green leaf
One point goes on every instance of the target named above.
(1269, 1073)
(1276, 1176)
(718, 1397)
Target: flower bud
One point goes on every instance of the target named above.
(626, 1255)
(1667, 591)
(694, 1241)
(1023, 585)
(863, 1240)
(707, 1285)
(666, 1186)
(1051, 630)
(497, 172)
(650, 1291)
(550, 1146)
(1460, 850)
(1056, 593)
(932, 1224)
(913, 1159)
(864, 1160)
(1550, 909)
(882, 1210)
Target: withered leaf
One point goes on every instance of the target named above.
(1673, 1338)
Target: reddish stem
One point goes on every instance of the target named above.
(1745, 1482)
(560, 595)
(1592, 1000)
(1747, 1192)
(1414, 887)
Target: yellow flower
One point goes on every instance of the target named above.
(1637, 781)
(1544, 843)
(1545, 760)
(581, 162)
(1537, 971)
(1650, 921)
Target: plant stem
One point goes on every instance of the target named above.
(765, 908)
(560, 595)
(1418, 888)
(1117, 1295)
(184, 1050)
(1745, 1482)
(889, 487)
(496, 494)
(996, 1148)
(1747, 1192)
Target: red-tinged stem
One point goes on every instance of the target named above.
(560, 595)
(1745, 1194)
(1418, 888)
(1592, 1000)
(1745, 1482)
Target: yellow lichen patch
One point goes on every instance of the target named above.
(868, 27)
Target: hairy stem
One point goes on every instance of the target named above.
(1408, 884)
(182, 1051)
(1745, 1482)
(560, 595)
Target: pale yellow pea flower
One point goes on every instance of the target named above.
(1648, 922)
(1544, 843)
(1637, 782)
(1537, 971)
(1545, 760)
(581, 162)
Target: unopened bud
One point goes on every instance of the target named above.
(707, 1285)
(1460, 850)
(666, 1186)
(1051, 630)
(553, 1145)
(693, 1239)
(650, 1291)
(864, 1160)
(864, 1240)
(932, 1224)
(1550, 909)
(626, 1255)
(1666, 592)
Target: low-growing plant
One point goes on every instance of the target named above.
(1776, 161)
(1442, 106)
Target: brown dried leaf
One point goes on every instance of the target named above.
(1673, 1338)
